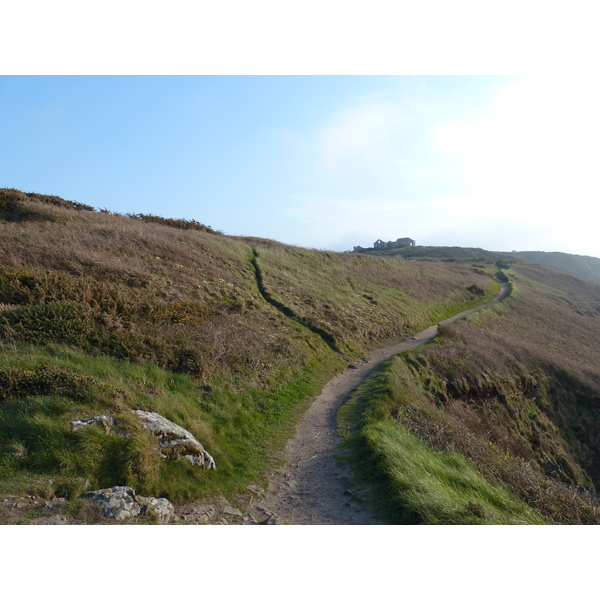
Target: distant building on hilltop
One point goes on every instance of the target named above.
(381, 245)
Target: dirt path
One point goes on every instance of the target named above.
(313, 488)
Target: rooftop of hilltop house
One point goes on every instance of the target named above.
(381, 245)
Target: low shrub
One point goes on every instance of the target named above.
(66, 322)
(177, 223)
(48, 379)
(18, 287)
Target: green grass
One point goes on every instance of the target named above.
(48, 387)
(436, 488)
(412, 482)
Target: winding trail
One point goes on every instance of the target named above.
(314, 487)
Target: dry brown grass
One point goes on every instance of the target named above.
(188, 299)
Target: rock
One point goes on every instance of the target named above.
(52, 520)
(107, 423)
(118, 502)
(228, 510)
(198, 514)
(255, 489)
(121, 502)
(54, 503)
(161, 508)
(174, 440)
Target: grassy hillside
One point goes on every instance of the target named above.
(585, 267)
(103, 313)
(510, 397)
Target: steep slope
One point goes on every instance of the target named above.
(585, 267)
(103, 313)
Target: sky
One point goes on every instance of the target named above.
(328, 162)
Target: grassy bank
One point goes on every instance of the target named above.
(47, 387)
(509, 396)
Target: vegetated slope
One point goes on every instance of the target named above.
(513, 394)
(103, 313)
(356, 300)
(585, 267)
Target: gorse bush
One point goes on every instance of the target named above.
(177, 223)
(66, 322)
(18, 287)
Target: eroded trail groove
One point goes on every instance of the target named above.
(313, 488)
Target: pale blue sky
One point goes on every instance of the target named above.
(503, 163)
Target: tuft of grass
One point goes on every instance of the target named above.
(435, 488)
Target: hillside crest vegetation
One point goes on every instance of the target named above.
(231, 337)
(584, 267)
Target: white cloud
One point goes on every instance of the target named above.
(359, 134)
(536, 150)
(531, 161)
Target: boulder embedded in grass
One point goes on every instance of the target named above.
(174, 440)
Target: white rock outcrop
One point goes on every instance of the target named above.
(174, 440)
(118, 502)
(121, 502)
(161, 508)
